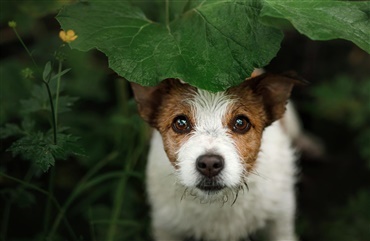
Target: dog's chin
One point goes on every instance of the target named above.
(211, 193)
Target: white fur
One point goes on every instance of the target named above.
(209, 137)
(268, 202)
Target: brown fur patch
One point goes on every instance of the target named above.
(262, 99)
(249, 105)
(160, 105)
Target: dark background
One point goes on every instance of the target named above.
(333, 189)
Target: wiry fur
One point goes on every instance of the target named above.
(269, 197)
(258, 173)
(209, 136)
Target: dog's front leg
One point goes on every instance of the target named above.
(282, 228)
(281, 231)
(163, 235)
(282, 225)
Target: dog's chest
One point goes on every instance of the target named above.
(217, 221)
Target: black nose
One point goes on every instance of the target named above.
(210, 165)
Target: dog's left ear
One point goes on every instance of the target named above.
(275, 91)
(148, 99)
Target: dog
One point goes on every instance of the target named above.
(221, 165)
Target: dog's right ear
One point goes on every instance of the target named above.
(148, 99)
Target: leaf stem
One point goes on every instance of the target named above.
(49, 201)
(36, 188)
(133, 156)
(118, 203)
(25, 47)
(5, 219)
(167, 6)
(45, 82)
(57, 93)
(79, 188)
(52, 112)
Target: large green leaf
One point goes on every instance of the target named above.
(213, 44)
(324, 19)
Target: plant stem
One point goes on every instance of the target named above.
(118, 203)
(57, 93)
(79, 187)
(5, 219)
(25, 47)
(52, 171)
(49, 201)
(45, 82)
(133, 156)
(52, 111)
(167, 6)
(36, 188)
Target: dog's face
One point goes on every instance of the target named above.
(213, 139)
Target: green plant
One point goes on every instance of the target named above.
(40, 136)
(209, 44)
(53, 190)
(345, 101)
(350, 222)
(42, 148)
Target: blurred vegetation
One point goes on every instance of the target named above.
(94, 189)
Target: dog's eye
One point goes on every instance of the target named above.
(241, 124)
(181, 124)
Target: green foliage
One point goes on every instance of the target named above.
(39, 100)
(198, 46)
(210, 44)
(65, 193)
(42, 156)
(323, 19)
(346, 101)
(37, 146)
(352, 221)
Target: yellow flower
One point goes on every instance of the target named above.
(68, 36)
(12, 24)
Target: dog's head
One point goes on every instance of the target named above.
(213, 139)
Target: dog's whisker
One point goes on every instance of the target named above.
(236, 197)
(246, 185)
(184, 194)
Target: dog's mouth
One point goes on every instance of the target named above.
(209, 185)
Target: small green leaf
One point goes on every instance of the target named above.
(70, 144)
(39, 100)
(324, 20)
(35, 149)
(10, 129)
(67, 146)
(47, 72)
(60, 74)
(213, 45)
